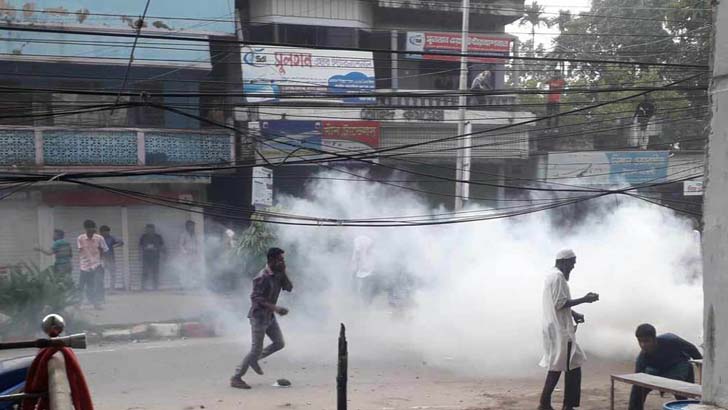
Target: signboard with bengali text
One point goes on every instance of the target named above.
(272, 72)
(487, 48)
(308, 138)
(608, 168)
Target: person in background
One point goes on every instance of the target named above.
(230, 256)
(561, 352)
(109, 257)
(151, 247)
(643, 114)
(482, 82)
(666, 355)
(90, 248)
(61, 251)
(267, 287)
(190, 269)
(366, 281)
(553, 99)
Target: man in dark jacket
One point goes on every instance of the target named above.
(267, 287)
(666, 355)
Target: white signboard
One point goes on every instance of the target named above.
(693, 188)
(262, 187)
(269, 72)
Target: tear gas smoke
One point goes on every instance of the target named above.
(477, 303)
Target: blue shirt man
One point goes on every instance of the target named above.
(666, 355)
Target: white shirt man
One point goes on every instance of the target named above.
(90, 250)
(361, 259)
(91, 246)
(561, 352)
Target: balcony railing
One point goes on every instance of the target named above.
(503, 102)
(83, 147)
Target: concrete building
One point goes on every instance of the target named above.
(715, 234)
(39, 136)
(411, 97)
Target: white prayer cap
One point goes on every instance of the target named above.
(565, 254)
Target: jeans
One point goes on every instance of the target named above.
(92, 281)
(680, 371)
(572, 385)
(260, 327)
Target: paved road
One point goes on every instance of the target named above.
(193, 374)
(189, 374)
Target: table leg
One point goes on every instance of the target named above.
(611, 396)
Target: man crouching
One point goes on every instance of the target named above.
(266, 288)
(666, 355)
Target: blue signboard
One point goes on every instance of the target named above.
(638, 167)
(285, 136)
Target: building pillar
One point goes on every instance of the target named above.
(715, 218)
(125, 270)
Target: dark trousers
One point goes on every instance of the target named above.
(150, 271)
(552, 109)
(259, 329)
(572, 385)
(681, 371)
(92, 282)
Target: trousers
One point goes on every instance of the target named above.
(680, 371)
(260, 327)
(572, 385)
(92, 281)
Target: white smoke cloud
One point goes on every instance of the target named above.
(478, 308)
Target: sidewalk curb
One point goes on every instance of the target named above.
(152, 331)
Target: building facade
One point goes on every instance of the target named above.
(53, 76)
(394, 61)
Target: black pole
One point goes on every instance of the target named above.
(342, 374)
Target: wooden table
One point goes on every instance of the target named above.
(661, 384)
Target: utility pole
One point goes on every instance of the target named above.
(462, 173)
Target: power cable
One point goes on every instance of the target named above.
(321, 47)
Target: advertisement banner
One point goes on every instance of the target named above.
(262, 186)
(693, 188)
(269, 72)
(608, 168)
(308, 137)
(488, 48)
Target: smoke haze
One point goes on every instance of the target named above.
(477, 306)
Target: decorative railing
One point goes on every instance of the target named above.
(64, 147)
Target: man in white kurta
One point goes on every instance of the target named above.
(561, 352)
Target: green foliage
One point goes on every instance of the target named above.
(254, 244)
(29, 293)
(534, 16)
(652, 31)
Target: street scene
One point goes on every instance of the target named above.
(363, 204)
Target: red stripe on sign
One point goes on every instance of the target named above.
(365, 132)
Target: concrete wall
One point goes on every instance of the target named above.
(715, 236)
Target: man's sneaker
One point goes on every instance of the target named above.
(238, 383)
(256, 368)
